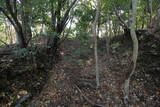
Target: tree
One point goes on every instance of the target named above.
(107, 37)
(59, 20)
(135, 50)
(9, 9)
(154, 27)
(95, 33)
(25, 14)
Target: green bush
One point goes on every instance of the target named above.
(82, 51)
(115, 45)
(22, 52)
(83, 36)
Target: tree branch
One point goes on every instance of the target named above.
(65, 17)
(124, 25)
(53, 15)
(4, 42)
(8, 17)
(64, 37)
(87, 99)
(9, 7)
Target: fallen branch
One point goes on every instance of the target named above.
(22, 100)
(4, 42)
(87, 99)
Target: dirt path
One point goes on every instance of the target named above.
(72, 82)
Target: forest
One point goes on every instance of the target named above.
(79, 53)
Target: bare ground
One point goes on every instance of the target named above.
(72, 82)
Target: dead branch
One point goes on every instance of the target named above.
(4, 42)
(87, 99)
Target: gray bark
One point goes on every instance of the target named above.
(135, 50)
(150, 10)
(95, 33)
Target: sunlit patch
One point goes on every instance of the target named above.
(89, 62)
(62, 53)
(22, 92)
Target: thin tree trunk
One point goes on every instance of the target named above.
(106, 34)
(95, 33)
(143, 20)
(25, 21)
(58, 24)
(150, 9)
(107, 37)
(10, 34)
(123, 23)
(135, 50)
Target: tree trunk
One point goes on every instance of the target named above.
(150, 9)
(25, 21)
(135, 51)
(94, 31)
(154, 26)
(20, 38)
(58, 24)
(108, 34)
(11, 13)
